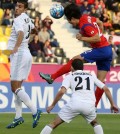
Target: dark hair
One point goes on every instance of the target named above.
(77, 64)
(25, 2)
(72, 10)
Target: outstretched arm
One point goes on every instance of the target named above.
(102, 86)
(57, 98)
(114, 108)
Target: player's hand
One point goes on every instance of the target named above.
(114, 109)
(49, 108)
(78, 36)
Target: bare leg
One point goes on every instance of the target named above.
(97, 127)
(48, 128)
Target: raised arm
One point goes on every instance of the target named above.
(102, 86)
(114, 108)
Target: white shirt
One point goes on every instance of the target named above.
(82, 85)
(21, 23)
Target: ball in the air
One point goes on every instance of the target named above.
(57, 11)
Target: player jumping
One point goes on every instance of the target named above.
(91, 32)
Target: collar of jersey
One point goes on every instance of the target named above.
(77, 71)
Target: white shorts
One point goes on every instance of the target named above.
(20, 65)
(71, 110)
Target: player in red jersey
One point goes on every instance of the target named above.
(91, 32)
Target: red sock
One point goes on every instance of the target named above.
(63, 70)
(98, 95)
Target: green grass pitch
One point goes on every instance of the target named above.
(110, 123)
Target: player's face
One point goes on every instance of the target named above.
(74, 22)
(19, 8)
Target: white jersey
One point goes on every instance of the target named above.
(21, 61)
(21, 23)
(82, 85)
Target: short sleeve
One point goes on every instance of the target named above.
(98, 82)
(89, 30)
(66, 82)
(18, 25)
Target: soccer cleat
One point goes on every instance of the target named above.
(15, 123)
(46, 77)
(36, 118)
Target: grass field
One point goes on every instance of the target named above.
(110, 123)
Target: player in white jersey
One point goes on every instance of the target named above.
(82, 101)
(21, 61)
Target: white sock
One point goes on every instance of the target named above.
(26, 100)
(46, 130)
(18, 107)
(98, 129)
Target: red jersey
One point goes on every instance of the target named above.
(88, 28)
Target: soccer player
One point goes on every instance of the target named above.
(91, 32)
(21, 61)
(82, 101)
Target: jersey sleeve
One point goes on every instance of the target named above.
(89, 30)
(19, 25)
(66, 82)
(98, 82)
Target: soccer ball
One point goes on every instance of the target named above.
(57, 11)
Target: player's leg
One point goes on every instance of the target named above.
(46, 130)
(20, 68)
(88, 111)
(97, 127)
(63, 70)
(102, 57)
(93, 56)
(50, 78)
(103, 66)
(101, 75)
(65, 115)
(22, 74)
(26, 100)
(18, 107)
(49, 128)
(23, 96)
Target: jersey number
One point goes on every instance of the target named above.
(79, 79)
(29, 29)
